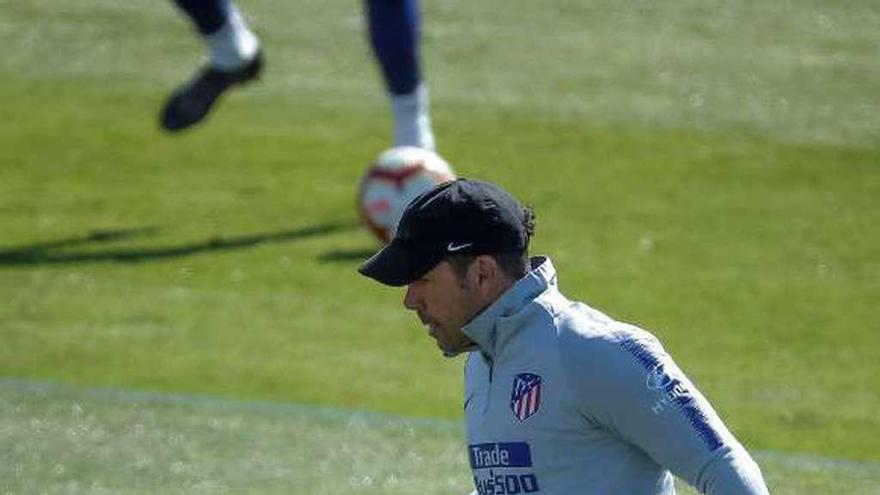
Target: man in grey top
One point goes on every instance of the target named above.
(559, 398)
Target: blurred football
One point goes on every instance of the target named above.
(396, 177)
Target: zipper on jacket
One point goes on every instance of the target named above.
(491, 365)
(488, 400)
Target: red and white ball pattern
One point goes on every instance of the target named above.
(392, 181)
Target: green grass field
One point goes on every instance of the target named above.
(710, 171)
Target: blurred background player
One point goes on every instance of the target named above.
(236, 57)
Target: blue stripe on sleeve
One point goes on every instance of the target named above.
(673, 388)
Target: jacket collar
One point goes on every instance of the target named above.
(484, 329)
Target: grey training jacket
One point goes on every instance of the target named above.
(561, 399)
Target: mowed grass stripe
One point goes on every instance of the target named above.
(74, 440)
(804, 73)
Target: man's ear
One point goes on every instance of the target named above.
(485, 270)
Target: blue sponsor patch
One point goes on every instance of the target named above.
(500, 455)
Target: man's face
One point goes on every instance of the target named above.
(444, 303)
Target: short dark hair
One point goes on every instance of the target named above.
(514, 264)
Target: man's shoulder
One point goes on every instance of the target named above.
(587, 338)
(578, 323)
(583, 335)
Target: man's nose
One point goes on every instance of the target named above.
(411, 299)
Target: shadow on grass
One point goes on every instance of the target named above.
(59, 252)
(346, 255)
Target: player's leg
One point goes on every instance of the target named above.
(393, 27)
(235, 58)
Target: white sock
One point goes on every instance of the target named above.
(233, 45)
(412, 119)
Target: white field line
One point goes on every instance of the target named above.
(49, 389)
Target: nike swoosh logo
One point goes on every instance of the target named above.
(453, 247)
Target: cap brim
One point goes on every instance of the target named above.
(399, 264)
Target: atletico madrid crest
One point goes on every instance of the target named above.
(526, 396)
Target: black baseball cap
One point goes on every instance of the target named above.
(463, 216)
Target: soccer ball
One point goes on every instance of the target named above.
(396, 177)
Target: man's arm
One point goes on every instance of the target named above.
(629, 384)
